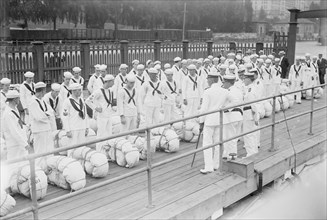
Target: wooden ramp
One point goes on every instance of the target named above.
(180, 191)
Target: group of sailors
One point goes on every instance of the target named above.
(192, 85)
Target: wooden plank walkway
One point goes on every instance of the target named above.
(176, 186)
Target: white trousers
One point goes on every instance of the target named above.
(170, 112)
(231, 130)
(104, 129)
(250, 140)
(78, 136)
(211, 158)
(152, 115)
(192, 106)
(43, 143)
(296, 86)
(131, 122)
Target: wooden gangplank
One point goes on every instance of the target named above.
(180, 191)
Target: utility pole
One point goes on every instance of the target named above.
(183, 38)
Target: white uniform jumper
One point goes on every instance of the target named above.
(55, 105)
(296, 78)
(192, 92)
(268, 81)
(276, 72)
(26, 93)
(120, 82)
(170, 91)
(92, 83)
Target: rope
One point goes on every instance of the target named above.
(4, 200)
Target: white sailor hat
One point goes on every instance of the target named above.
(68, 75)
(231, 61)
(75, 86)
(268, 61)
(55, 87)
(177, 59)
(215, 59)
(248, 74)
(281, 52)
(248, 65)
(260, 51)
(256, 55)
(148, 62)
(169, 71)
(29, 74)
(39, 85)
(123, 66)
(97, 66)
(206, 60)
(285, 80)
(222, 58)
(167, 65)
(232, 54)
(140, 67)
(260, 60)
(5, 81)
(307, 55)
(232, 67)
(153, 70)
(157, 66)
(157, 62)
(270, 56)
(199, 61)
(184, 61)
(315, 57)
(210, 57)
(302, 58)
(248, 51)
(103, 67)
(223, 66)
(241, 68)
(130, 77)
(263, 56)
(213, 73)
(277, 59)
(76, 69)
(254, 71)
(238, 57)
(11, 94)
(297, 58)
(108, 77)
(135, 62)
(191, 67)
(229, 77)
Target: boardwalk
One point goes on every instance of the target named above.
(181, 191)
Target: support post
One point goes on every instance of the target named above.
(149, 167)
(124, 51)
(273, 121)
(85, 59)
(185, 49)
(291, 40)
(221, 145)
(38, 60)
(33, 194)
(232, 46)
(209, 47)
(311, 113)
(157, 45)
(258, 47)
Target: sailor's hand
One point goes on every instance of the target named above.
(185, 102)
(28, 148)
(138, 119)
(98, 109)
(86, 132)
(26, 111)
(201, 126)
(201, 101)
(123, 119)
(69, 134)
(256, 122)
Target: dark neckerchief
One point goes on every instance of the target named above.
(269, 72)
(108, 99)
(79, 81)
(173, 90)
(195, 84)
(176, 68)
(101, 79)
(297, 71)
(122, 80)
(184, 72)
(78, 107)
(131, 97)
(314, 66)
(141, 80)
(96, 77)
(4, 94)
(41, 107)
(32, 90)
(155, 89)
(20, 121)
(54, 104)
(69, 92)
(278, 71)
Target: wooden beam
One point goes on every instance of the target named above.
(320, 13)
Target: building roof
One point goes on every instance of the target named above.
(299, 21)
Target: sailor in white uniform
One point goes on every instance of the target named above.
(182, 74)
(52, 100)
(77, 76)
(41, 119)
(277, 73)
(74, 119)
(128, 104)
(64, 87)
(268, 79)
(167, 66)
(27, 90)
(120, 79)
(99, 82)
(135, 63)
(140, 78)
(176, 67)
(191, 91)
(5, 82)
(93, 79)
(211, 123)
(296, 78)
(161, 74)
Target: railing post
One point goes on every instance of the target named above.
(157, 45)
(149, 167)
(273, 119)
(124, 51)
(311, 113)
(258, 47)
(38, 60)
(232, 46)
(209, 47)
(185, 49)
(85, 59)
(33, 192)
(221, 145)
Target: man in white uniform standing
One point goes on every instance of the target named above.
(52, 100)
(27, 90)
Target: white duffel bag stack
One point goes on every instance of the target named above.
(188, 131)
(268, 108)
(122, 151)
(261, 109)
(66, 173)
(94, 163)
(140, 143)
(116, 124)
(277, 107)
(93, 124)
(20, 182)
(318, 92)
(7, 203)
(168, 139)
(291, 100)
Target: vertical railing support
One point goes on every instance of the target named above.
(149, 167)
(124, 51)
(185, 49)
(38, 60)
(311, 113)
(232, 46)
(33, 192)
(85, 59)
(221, 144)
(273, 121)
(209, 47)
(157, 49)
(258, 47)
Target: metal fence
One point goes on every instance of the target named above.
(150, 166)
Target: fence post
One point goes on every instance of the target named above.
(38, 60)
(149, 167)
(311, 113)
(124, 51)
(273, 118)
(33, 192)
(157, 45)
(85, 59)
(258, 47)
(185, 49)
(221, 145)
(209, 47)
(232, 46)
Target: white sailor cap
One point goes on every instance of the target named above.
(135, 62)
(157, 66)
(229, 77)
(191, 67)
(68, 75)
(206, 60)
(167, 65)
(199, 61)
(210, 57)
(157, 62)
(29, 74)
(11, 94)
(248, 65)
(97, 66)
(222, 58)
(248, 51)
(140, 67)
(254, 71)
(307, 55)
(277, 59)
(268, 61)
(223, 66)
(75, 86)
(169, 71)
(263, 56)
(256, 55)
(270, 56)
(281, 52)
(55, 87)
(238, 57)
(108, 77)
(177, 59)
(153, 70)
(302, 58)
(148, 62)
(260, 51)
(260, 60)
(130, 77)
(241, 68)
(39, 85)
(232, 67)
(297, 58)
(76, 69)
(215, 59)
(123, 66)
(103, 67)
(315, 57)
(5, 81)
(184, 61)
(248, 74)
(285, 80)
(213, 73)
